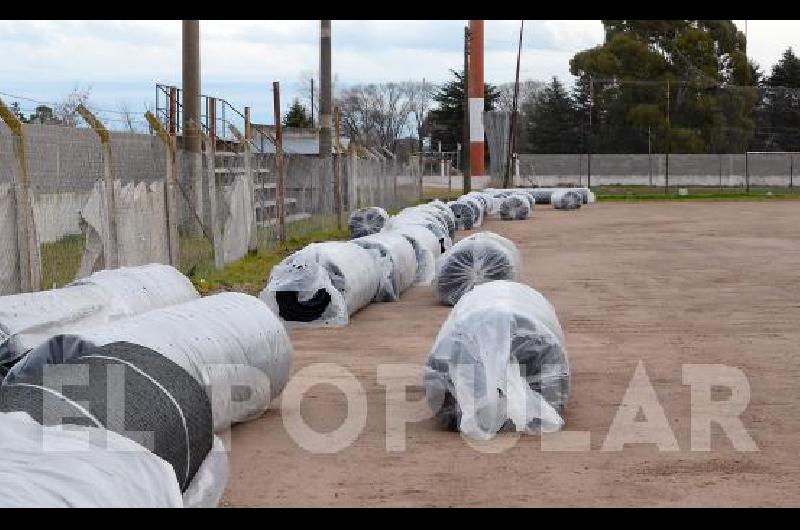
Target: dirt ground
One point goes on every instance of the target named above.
(666, 283)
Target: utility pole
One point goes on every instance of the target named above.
(191, 120)
(325, 95)
(476, 105)
(591, 147)
(466, 151)
(513, 127)
(669, 144)
(312, 102)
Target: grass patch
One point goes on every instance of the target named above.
(250, 274)
(710, 193)
(61, 260)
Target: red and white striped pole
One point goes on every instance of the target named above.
(476, 97)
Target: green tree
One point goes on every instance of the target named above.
(779, 112)
(550, 121)
(297, 116)
(446, 123)
(623, 83)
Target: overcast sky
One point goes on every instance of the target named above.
(122, 60)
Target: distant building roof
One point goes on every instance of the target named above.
(295, 140)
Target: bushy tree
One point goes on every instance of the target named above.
(779, 111)
(446, 122)
(550, 120)
(623, 83)
(297, 116)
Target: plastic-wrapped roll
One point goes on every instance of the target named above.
(566, 200)
(225, 341)
(27, 319)
(542, 195)
(464, 215)
(322, 284)
(482, 199)
(125, 388)
(477, 209)
(366, 221)
(443, 219)
(79, 467)
(394, 256)
(498, 362)
(515, 207)
(474, 260)
(426, 250)
(427, 220)
(446, 214)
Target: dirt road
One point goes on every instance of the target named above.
(665, 283)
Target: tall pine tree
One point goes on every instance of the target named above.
(551, 121)
(297, 116)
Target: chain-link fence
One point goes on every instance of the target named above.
(225, 200)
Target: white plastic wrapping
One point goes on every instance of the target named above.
(477, 209)
(366, 221)
(463, 213)
(322, 284)
(474, 260)
(447, 213)
(515, 207)
(79, 467)
(208, 484)
(426, 250)
(499, 361)
(566, 199)
(224, 341)
(432, 220)
(394, 256)
(27, 319)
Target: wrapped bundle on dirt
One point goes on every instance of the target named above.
(474, 260)
(366, 221)
(515, 207)
(125, 388)
(79, 467)
(477, 209)
(499, 362)
(27, 319)
(482, 199)
(426, 219)
(322, 284)
(447, 214)
(566, 200)
(444, 220)
(426, 250)
(542, 195)
(231, 343)
(463, 214)
(394, 256)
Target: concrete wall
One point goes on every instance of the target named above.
(770, 169)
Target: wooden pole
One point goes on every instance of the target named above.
(513, 126)
(170, 189)
(467, 179)
(252, 243)
(211, 157)
(110, 248)
(280, 189)
(30, 275)
(337, 174)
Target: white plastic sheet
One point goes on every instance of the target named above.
(79, 467)
(366, 221)
(426, 249)
(208, 484)
(426, 218)
(27, 319)
(474, 260)
(515, 207)
(499, 361)
(566, 199)
(394, 257)
(342, 271)
(225, 341)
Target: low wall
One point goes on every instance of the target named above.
(768, 169)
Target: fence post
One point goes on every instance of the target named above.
(30, 266)
(249, 174)
(110, 248)
(170, 191)
(213, 210)
(280, 189)
(337, 175)
(747, 171)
